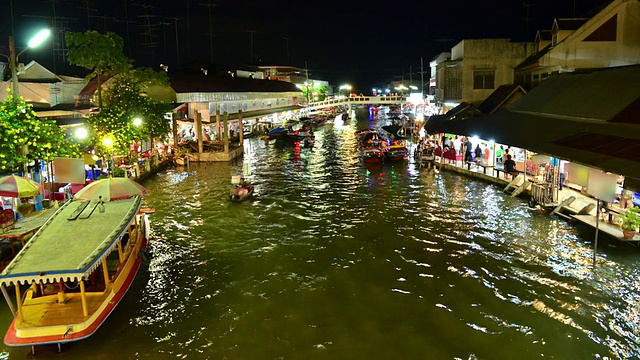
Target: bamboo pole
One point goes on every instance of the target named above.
(83, 296)
(18, 298)
(120, 254)
(105, 273)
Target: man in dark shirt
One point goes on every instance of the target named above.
(510, 166)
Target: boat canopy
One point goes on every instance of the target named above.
(72, 244)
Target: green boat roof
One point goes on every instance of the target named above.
(70, 250)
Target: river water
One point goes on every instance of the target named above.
(335, 260)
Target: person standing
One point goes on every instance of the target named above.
(467, 151)
(487, 154)
(478, 153)
(457, 145)
(499, 153)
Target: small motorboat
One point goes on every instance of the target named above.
(372, 155)
(396, 152)
(240, 193)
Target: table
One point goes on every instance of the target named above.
(483, 166)
(28, 225)
(499, 169)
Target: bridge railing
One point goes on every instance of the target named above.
(374, 100)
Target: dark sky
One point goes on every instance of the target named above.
(361, 43)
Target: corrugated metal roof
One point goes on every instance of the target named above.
(188, 82)
(598, 94)
(499, 97)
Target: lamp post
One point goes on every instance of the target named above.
(13, 58)
(347, 88)
(109, 139)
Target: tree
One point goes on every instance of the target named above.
(102, 54)
(24, 137)
(125, 100)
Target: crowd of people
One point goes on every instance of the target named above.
(460, 148)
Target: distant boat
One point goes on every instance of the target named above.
(396, 152)
(372, 155)
(240, 193)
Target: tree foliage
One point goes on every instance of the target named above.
(25, 138)
(124, 101)
(102, 54)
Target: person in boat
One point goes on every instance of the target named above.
(243, 183)
(428, 156)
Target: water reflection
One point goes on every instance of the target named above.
(332, 258)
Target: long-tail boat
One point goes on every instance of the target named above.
(74, 271)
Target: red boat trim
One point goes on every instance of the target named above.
(10, 339)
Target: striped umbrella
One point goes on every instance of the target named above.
(111, 189)
(18, 187)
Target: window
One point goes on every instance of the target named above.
(484, 79)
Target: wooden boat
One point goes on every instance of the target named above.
(396, 152)
(372, 155)
(77, 268)
(240, 193)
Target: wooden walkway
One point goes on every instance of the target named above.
(607, 227)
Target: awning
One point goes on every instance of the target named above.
(607, 146)
(70, 250)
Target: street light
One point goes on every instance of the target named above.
(108, 140)
(13, 57)
(346, 87)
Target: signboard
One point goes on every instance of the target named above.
(602, 185)
(577, 174)
(68, 170)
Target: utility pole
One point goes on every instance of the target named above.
(422, 76)
(251, 32)
(306, 70)
(527, 19)
(210, 4)
(410, 77)
(175, 19)
(287, 40)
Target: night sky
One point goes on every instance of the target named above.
(365, 44)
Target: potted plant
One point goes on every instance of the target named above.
(629, 222)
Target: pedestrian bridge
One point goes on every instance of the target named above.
(358, 100)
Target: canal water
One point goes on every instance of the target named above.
(335, 260)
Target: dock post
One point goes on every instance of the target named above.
(218, 138)
(241, 127)
(199, 131)
(595, 242)
(225, 135)
(174, 127)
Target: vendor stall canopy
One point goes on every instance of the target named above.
(588, 117)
